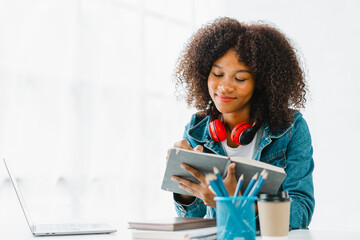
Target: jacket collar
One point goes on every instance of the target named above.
(279, 132)
(200, 131)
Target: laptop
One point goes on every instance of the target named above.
(56, 229)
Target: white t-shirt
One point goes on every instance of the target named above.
(240, 151)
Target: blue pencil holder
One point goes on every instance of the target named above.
(235, 218)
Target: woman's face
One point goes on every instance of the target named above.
(231, 84)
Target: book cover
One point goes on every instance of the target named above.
(205, 162)
(173, 224)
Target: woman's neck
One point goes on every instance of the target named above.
(231, 119)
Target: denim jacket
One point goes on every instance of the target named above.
(289, 148)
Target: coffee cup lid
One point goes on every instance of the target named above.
(277, 197)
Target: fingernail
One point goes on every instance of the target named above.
(183, 166)
(173, 178)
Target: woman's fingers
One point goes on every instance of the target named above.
(198, 175)
(195, 187)
(167, 155)
(183, 144)
(198, 190)
(180, 144)
(199, 148)
(189, 189)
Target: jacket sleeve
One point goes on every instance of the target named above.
(195, 209)
(299, 182)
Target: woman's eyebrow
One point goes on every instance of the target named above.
(242, 70)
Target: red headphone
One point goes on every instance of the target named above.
(242, 134)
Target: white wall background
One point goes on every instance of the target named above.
(87, 106)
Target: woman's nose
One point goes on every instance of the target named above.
(226, 85)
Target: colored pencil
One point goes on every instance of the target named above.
(220, 182)
(250, 185)
(238, 185)
(211, 179)
(259, 183)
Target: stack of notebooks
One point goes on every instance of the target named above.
(174, 228)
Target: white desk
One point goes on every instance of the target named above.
(22, 232)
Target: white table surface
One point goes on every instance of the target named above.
(21, 232)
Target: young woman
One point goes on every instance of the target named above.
(248, 76)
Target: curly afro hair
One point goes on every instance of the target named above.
(280, 87)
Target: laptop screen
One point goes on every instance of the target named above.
(19, 195)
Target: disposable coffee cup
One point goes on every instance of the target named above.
(274, 215)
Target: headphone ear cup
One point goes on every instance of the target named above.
(248, 135)
(217, 130)
(238, 131)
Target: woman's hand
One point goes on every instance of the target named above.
(185, 145)
(199, 190)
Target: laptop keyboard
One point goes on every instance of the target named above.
(63, 227)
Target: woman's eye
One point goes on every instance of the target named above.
(217, 75)
(240, 80)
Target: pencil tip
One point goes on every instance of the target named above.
(256, 175)
(209, 177)
(216, 170)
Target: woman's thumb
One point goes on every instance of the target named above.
(231, 171)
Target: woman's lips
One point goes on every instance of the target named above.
(224, 98)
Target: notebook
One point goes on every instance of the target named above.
(205, 162)
(198, 233)
(55, 229)
(173, 224)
